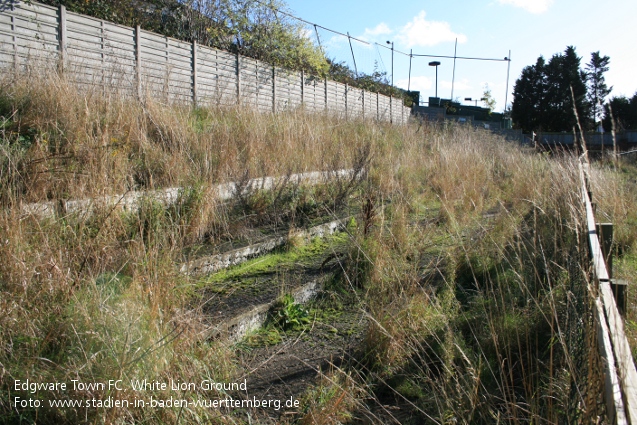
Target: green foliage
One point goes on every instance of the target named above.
(624, 113)
(597, 88)
(487, 98)
(252, 28)
(542, 94)
(375, 82)
(288, 314)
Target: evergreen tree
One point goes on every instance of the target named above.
(597, 88)
(624, 113)
(542, 99)
(529, 97)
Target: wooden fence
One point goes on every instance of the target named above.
(619, 369)
(135, 62)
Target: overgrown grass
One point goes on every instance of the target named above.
(464, 257)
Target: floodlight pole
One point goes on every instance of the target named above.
(392, 63)
(453, 78)
(506, 93)
(436, 64)
(409, 79)
(353, 57)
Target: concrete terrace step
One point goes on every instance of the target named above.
(235, 328)
(132, 200)
(213, 263)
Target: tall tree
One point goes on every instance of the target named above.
(542, 99)
(624, 113)
(597, 88)
(529, 97)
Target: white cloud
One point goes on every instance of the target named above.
(307, 33)
(418, 83)
(335, 42)
(533, 6)
(462, 85)
(421, 32)
(380, 29)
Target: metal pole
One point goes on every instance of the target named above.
(453, 78)
(392, 66)
(437, 85)
(317, 37)
(409, 79)
(506, 93)
(352, 50)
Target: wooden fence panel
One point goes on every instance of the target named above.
(370, 106)
(383, 108)
(215, 86)
(102, 54)
(180, 84)
(256, 84)
(29, 36)
(354, 102)
(313, 93)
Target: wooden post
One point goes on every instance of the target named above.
(195, 87)
(138, 60)
(605, 232)
(62, 37)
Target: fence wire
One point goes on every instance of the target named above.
(584, 404)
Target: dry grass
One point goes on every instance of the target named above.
(462, 261)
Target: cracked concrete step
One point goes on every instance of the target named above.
(213, 263)
(130, 201)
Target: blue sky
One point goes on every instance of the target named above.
(484, 28)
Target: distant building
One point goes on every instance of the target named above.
(446, 109)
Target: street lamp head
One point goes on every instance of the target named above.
(468, 99)
(434, 63)
(388, 42)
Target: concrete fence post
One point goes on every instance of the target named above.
(238, 64)
(363, 102)
(273, 89)
(302, 87)
(62, 36)
(14, 39)
(138, 60)
(346, 95)
(377, 107)
(325, 84)
(195, 86)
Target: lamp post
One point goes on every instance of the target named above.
(436, 63)
(392, 62)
